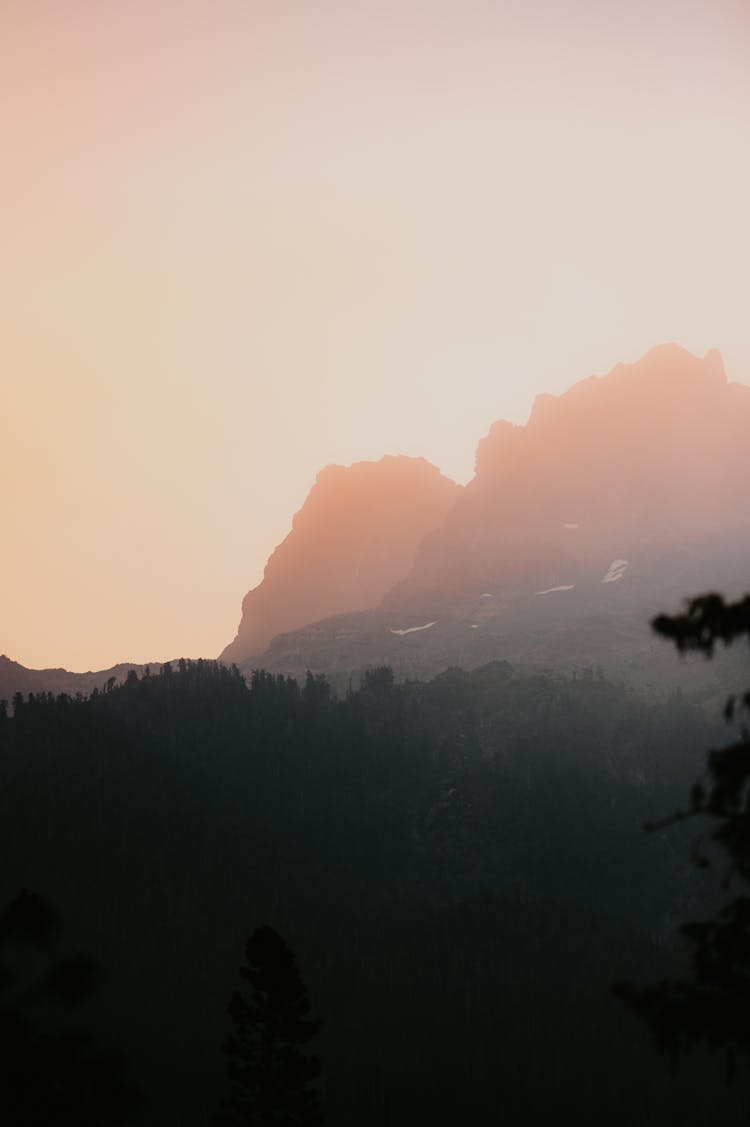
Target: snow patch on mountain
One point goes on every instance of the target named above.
(616, 571)
(413, 629)
(561, 587)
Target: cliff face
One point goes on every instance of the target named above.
(614, 502)
(652, 456)
(354, 538)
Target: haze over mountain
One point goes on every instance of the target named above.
(652, 456)
(354, 538)
(616, 500)
(242, 246)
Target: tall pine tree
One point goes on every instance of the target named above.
(271, 1078)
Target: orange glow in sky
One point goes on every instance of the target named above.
(242, 239)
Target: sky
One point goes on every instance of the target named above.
(243, 239)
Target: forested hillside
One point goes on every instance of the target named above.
(459, 866)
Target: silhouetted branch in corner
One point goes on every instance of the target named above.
(712, 1005)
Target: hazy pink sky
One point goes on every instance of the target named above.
(242, 239)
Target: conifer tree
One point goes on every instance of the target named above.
(271, 1078)
(712, 1004)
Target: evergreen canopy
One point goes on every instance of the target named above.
(271, 1078)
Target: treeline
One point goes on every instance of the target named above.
(459, 866)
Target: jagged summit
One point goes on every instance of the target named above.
(614, 501)
(647, 460)
(355, 536)
(652, 454)
(667, 380)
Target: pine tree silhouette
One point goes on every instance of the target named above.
(271, 1078)
(712, 1005)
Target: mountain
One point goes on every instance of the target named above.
(17, 678)
(614, 501)
(355, 536)
(652, 456)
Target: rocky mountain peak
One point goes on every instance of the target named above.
(355, 536)
(653, 453)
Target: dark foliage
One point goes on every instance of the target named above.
(51, 1073)
(271, 1077)
(460, 863)
(712, 1004)
(707, 620)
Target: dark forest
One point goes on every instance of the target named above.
(459, 868)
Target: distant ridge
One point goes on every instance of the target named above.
(15, 678)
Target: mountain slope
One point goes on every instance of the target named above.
(651, 457)
(16, 678)
(355, 536)
(615, 500)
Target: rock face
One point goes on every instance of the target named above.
(355, 537)
(614, 502)
(653, 456)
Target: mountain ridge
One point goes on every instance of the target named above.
(613, 501)
(354, 537)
